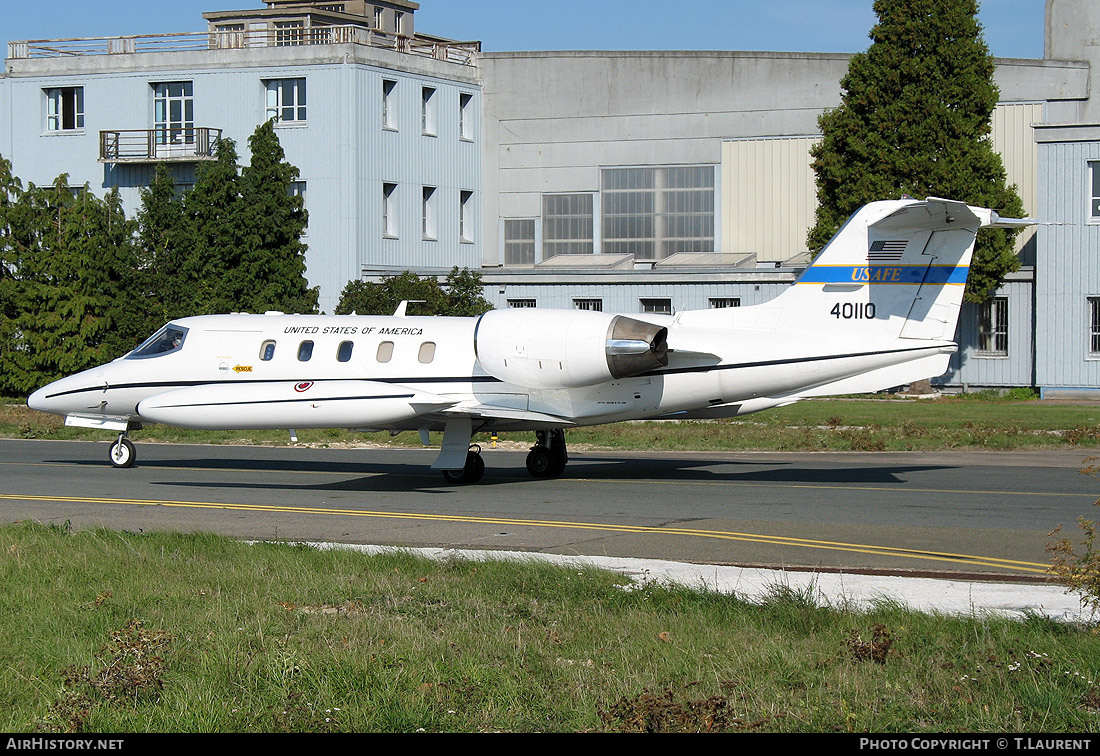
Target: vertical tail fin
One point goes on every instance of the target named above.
(897, 269)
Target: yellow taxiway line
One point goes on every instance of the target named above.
(969, 559)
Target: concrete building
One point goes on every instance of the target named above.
(628, 181)
(383, 123)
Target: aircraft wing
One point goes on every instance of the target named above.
(479, 411)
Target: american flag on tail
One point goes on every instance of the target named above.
(883, 251)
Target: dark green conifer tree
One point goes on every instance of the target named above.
(915, 120)
(270, 269)
(72, 285)
(163, 247)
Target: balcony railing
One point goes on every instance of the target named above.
(463, 53)
(156, 145)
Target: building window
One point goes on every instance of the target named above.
(65, 109)
(1094, 204)
(1094, 326)
(289, 33)
(334, 7)
(595, 305)
(174, 112)
(466, 216)
(657, 306)
(993, 328)
(428, 214)
(286, 100)
(518, 303)
(519, 241)
(398, 22)
(656, 212)
(718, 303)
(427, 111)
(466, 117)
(378, 17)
(389, 111)
(389, 211)
(566, 225)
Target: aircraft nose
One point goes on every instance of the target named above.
(37, 400)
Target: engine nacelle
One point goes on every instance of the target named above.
(566, 348)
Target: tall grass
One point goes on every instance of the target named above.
(288, 638)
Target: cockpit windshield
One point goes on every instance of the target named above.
(166, 340)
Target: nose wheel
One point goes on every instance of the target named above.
(122, 453)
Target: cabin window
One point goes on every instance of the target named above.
(385, 351)
(267, 350)
(166, 340)
(427, 352)
(305, 351)
(343, 352)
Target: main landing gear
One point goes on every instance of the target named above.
(122, 453)
(548, 456)
(471, 472)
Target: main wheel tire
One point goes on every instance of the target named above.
(122, 453)
(545, 463)
(471, 473)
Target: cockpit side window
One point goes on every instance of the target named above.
(165, 341)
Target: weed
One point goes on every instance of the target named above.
(1079, 571)
(875, 649)
(130, 669)
(662, 712)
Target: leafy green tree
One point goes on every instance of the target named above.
(915, 120)
(10, 191)
(460, 295)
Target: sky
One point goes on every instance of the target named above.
(1013, 28)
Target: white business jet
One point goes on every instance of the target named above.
(876, 309)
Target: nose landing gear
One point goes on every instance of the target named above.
(122, 452)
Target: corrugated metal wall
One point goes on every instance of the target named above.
(1014, 138)
(1067, 268)
(768, 196)
(626, 298)
(969, 368)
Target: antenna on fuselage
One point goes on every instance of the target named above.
(400, 311)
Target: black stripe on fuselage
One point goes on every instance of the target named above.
(491, 379)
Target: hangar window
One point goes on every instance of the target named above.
(65, 109)
(993, 328)
(656, 212)
(657, 306)
(385, 351)
(1094, 205)
(519, 241)
(305, 351)
(267, 350)
(427, 352)
(343, 352)
(1094, 326)
(515, 303)
(718, 303)
(596, 305)
(566, 225)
